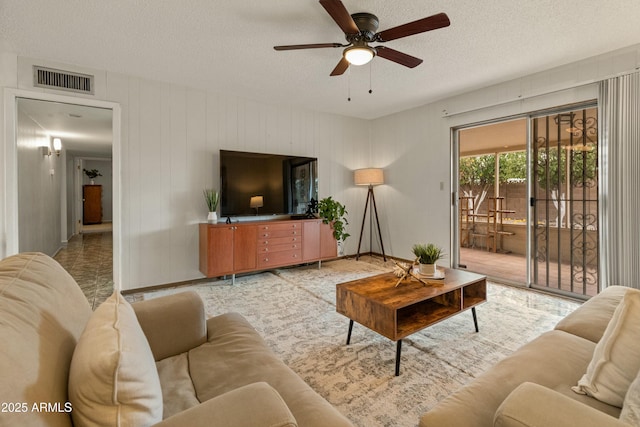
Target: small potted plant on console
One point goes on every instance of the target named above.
(211, 197)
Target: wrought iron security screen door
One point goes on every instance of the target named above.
(565, 202)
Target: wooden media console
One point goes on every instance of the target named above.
(244, 247)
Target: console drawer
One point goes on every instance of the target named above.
(262, 241)
(270, 234)
(280, 226)
(279, 258)
(280, 230)
(264, 249)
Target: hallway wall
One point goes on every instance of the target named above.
(39, 190)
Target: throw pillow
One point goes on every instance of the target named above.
(616, 358)
(113, 379)
(631, 407)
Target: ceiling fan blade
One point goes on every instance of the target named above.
(341, 67)
(420, 26)
(339, 13)
(308, 46)
(399, 57)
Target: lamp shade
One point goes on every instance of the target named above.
(256, 202)
(57, 145)
(369, 176)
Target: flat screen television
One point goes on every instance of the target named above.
(266, 184)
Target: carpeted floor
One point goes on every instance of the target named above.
(294, 310)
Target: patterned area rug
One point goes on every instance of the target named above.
(294, 310)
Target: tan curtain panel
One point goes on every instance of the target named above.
(619, 110)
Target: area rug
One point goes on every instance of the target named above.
(294, 310)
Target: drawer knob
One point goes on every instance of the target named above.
(266, 259)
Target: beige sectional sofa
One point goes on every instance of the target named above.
(157, 362)
(534, 386)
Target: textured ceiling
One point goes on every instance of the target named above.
(227, 46)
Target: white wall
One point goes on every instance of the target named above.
(39, 190)
(170, 144)
(414, 146)
(169, 152)
(8, 78)
(70, 198)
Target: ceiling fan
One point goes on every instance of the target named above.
(360, 30)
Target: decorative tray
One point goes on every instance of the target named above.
(438, 275)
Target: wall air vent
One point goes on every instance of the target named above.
(50, 78)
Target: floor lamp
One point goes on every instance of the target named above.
(370, 177)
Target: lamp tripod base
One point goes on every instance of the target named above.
(370, 197)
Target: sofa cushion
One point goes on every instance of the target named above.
(631, 407)
(555, 360)
(113, 379)
(236, 355)
(256, 404)
(592, 318)
(532, 405)
(616, 358)
(43, 314)
(180, 327)
(178, 393)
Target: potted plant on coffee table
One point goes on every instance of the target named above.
(334, 213)
(427, 256)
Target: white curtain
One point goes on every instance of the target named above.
(619, 128)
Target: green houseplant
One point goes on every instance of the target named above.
(211, 197)
(334, 213)
(427, 256)
(92, 174)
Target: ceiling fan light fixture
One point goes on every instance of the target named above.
(359, 55)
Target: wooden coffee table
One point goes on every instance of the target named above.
(397, 312)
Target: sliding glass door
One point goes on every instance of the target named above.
(527, 206)
(565, 202)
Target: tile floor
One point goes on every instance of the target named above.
(89, 260)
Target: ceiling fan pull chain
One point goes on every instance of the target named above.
(370, 67)
(349, 84)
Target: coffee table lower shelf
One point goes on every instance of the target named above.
(396, 313)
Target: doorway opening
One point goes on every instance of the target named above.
(528, 200)
(52, 133)
(492, 203)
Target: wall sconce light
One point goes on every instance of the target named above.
(57, 146)
(45, 151)
(256, 202)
